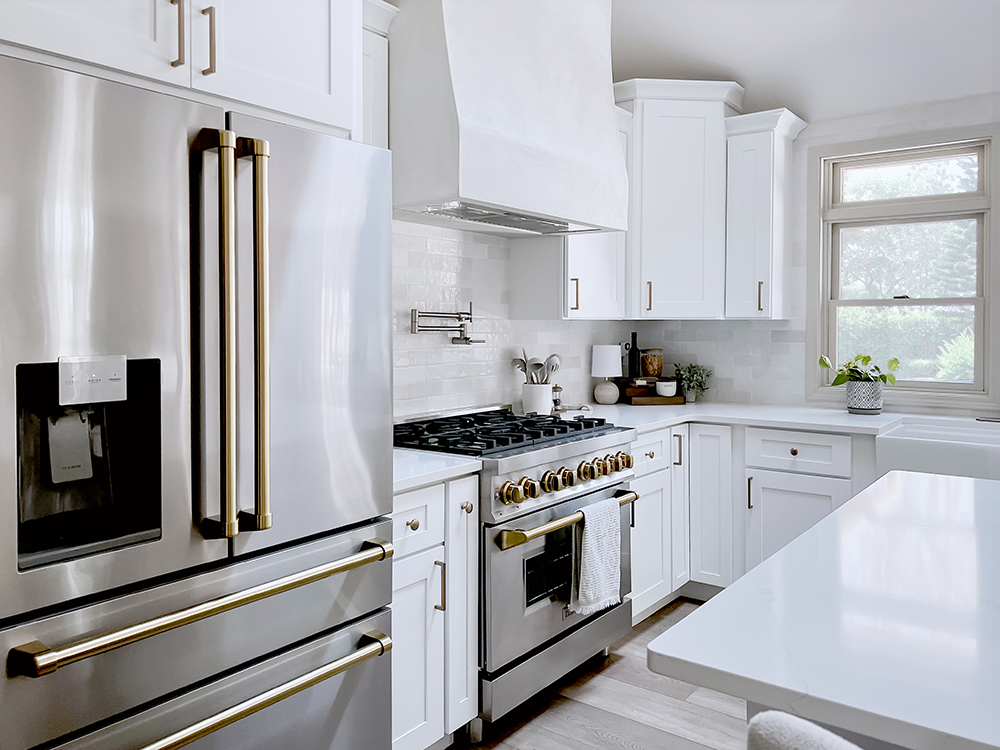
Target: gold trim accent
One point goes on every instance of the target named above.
(181, 43)
(35, 659)
(372, 644)
(508, 538)
(259, 152)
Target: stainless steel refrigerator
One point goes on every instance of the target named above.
(195, 424)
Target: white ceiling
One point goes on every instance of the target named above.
(823, 59)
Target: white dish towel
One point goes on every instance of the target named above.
(597, 586)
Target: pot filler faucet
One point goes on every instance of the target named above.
(463, 318)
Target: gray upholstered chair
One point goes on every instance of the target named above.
(774, 730)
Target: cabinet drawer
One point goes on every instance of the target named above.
(651, 452)
(418, 520)
(807, 452)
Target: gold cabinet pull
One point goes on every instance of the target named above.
(650, 454)
(649, 308)
(794, 451)
(680, 450)
(760, 289)
(225, 141)
(258, 152)
(413, 525)
(36, 659)
(443, 606)
(749, 501)
(576, 304)
(371, 644)
(210, 12)
(467, 507)
(181, 44)
(508, 538)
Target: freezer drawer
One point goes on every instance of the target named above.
(349, 711)
(39, 709)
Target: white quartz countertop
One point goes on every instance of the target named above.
(412, 469)
(883, 618)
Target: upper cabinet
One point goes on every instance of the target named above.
(758, 175)
(376, 15)
(302, 59)
(676, 242)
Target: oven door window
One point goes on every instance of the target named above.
(549, 574)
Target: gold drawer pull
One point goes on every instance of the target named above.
(651, 454)
(794, 451)
(413, 525)
(36, 659)
(467, 507)
(372, 644)
(508, 538)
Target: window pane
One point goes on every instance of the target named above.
(942, 176)
(929, 259)
(931, 343)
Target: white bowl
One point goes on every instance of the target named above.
(666, 387)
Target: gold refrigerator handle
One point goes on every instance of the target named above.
(258, 151)
(372, 644)
(36, 659)
(225, 142)
(508, 538)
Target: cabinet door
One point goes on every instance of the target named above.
(711, 477)
(782, 506)
(680, 516)
(374, 89)
(595, 276)
(143, 37)
(417, 651)
(298, 58)
(650, 541)
(679, 229)
(462, 607)
(749, 226)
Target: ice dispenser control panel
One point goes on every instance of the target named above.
(84, 380)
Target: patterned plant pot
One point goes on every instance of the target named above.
(864, 396)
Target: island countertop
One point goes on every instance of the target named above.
(882, 619)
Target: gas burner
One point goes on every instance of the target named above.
(495, 431)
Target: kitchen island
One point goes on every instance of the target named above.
(883, 620)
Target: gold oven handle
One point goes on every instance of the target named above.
(225, 142)
(36, 659)
(259, 151)
(508, 538)
(372, 644)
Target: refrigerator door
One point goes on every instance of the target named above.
(95, 260)
(330, 333)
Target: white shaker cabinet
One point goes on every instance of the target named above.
(758, 186)
(711, 498)
(680, 506)
(376, 16)
(676, 242)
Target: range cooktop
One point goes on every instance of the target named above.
(487, 433)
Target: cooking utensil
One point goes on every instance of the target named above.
(522, 366)
(552, 364)
(536, 370)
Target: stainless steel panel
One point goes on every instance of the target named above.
(95, 259)
(35, 710)
(503, 692)
(350, 711)
(511, 628)
(331, 332)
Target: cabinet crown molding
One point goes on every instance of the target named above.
(376, 15)
(782, 121)
(656, 88)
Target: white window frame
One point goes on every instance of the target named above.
(827, 214)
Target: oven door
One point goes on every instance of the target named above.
(527, 587)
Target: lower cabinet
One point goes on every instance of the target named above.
(435, 612)
(781, 506)
(711, 504)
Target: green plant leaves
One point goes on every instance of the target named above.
(860, 369)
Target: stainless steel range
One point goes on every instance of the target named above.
(538, 473)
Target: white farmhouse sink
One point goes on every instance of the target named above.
(962, 447)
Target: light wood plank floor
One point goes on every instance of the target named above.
(616, 702)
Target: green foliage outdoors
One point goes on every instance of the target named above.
(692, 377)
(917, 259)
(861, 369)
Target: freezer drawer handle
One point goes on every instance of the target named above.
(225, 141)
(372, 644)
(36, 659)
(508, 538)
(259, 151)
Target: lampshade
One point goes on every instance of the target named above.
(607, 361)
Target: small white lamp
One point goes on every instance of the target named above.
(607, 363)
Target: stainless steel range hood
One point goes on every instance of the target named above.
(502, 116)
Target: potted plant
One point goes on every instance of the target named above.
(692, 380)
(864, 382)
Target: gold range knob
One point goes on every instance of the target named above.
(530, 487)
(585, 472)
(511, 493)
(613, 463)
(551, 482)
(601, 468)
(625, 460)
(568, 477)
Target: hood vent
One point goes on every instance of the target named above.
(502, 116)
